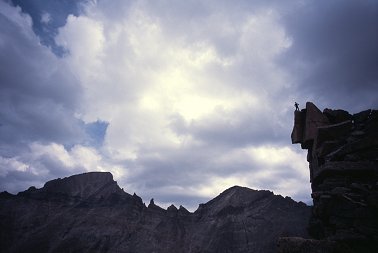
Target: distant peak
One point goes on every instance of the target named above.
(94, 175)
(236, 196)
(172, 208)
(84, 178)
(82, 185)
(242, 192)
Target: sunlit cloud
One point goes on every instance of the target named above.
(178, 100)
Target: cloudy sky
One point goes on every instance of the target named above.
(178, 99)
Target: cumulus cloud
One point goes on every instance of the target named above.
(43, 162)
(166, 92)
(39, 94)
(179, 100)
(39, 100)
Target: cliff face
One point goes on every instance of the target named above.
(343, 161)
(90, 213)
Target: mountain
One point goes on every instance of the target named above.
(90, 213)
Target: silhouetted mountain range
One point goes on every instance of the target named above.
(90, 213)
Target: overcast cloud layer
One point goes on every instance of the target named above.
(178, 99)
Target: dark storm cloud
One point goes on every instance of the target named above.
(334, 55)
(38, 93)
(39, 97)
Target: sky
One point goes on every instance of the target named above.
(179, 100)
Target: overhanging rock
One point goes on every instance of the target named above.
(343, 161)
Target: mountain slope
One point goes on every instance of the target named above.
(90, 213)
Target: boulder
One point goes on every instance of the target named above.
(361, 116)
(299, 121)
(333, 132)
(337, 116)
(314, 119)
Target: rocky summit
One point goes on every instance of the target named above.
(90, 213)
(343, 162)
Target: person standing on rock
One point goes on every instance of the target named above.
(296, 106)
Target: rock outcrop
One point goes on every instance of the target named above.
(90, 213)
(343, 161)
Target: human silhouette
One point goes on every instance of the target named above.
(296, 106)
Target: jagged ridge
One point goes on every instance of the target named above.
(90, 213)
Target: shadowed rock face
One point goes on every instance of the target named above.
(90, 213)
(343, 161)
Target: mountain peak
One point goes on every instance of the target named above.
(88, 178)
(235, 198)
(238, 195)
(90, 184)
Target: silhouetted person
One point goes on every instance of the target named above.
(296, 106)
